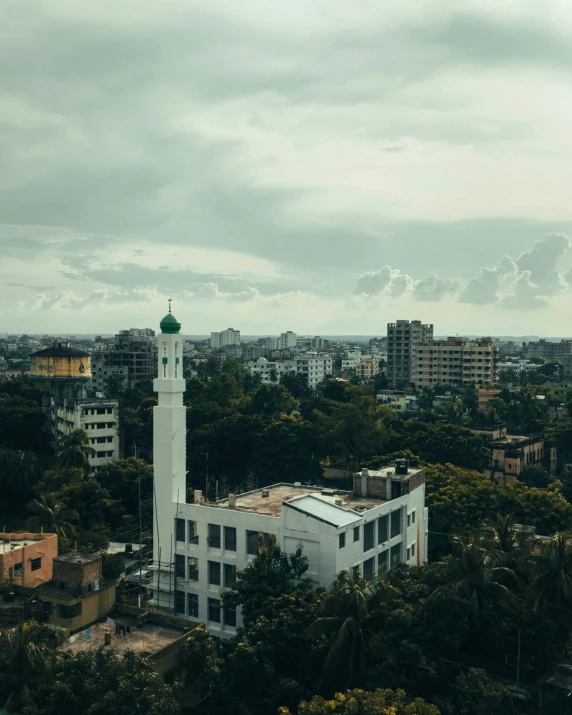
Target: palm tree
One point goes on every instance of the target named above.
(18, 472)
(73, 450)
(344, 620)
(452, 412)
(475, 576)
(551, 569)
(26, 657)
(52, 515)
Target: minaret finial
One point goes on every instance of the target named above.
(169, 299)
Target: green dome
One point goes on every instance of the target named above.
(170, 324)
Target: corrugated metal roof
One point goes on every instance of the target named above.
(323, 510)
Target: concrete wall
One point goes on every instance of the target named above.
(94, 606)
(46, 548)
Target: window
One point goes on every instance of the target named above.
(412, 549)
(382, 561)
(229, 575)
(68, 612)
(413, 516)
(229, 616)
(342, 540)
(368, 538)
(409, 520)
(214, 573)
(356, 533)
(214, 610)
(193, 566)
(193, 605)
(408, 553)
(180, 529)
(355, 570)
(36, 564)
(395, 555)
(18, 569)
(230, 538)
(369, 567)
(395, 523)
(382, 529)
(214, 536)
(179, 566)
(252, 541)
(180, 602)
(193, 532)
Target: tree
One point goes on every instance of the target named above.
(551, 567)
(114, 386)
(474, 575)
(202, 665)
(73, 450)
(112, 565)
(446, 443)
(474, 693)
(363, 702)
(271, 401)
(452, 412)
(100, 683)
(26, 658)
(53, 515)
(297, 385)
(271, 574)
(125, 480)
(344, 619)
(22, 423)
(18, 475)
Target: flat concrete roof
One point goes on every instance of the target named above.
(147, 639)
(253, 502)
(75, 557)
(7, 546)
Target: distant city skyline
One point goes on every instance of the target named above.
(314, 167)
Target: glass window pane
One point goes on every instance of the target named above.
(180, 529)
(395, 554)
(229, 574)
(180, 602)
(382, 561)
(356, 533)
(341, 540)
(395, 523)
(369, 567)
(214, 573)
(368, 535)
(230, 538)
(193, 605)
(179, 566)
(193, 532)
(214, 610)
(193, 567)
(382, 529)
(229, 615)
(214, 536)
(252, 542)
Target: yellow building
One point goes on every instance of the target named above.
(456, 362)
(367, 368)
(77, 595)
(60, 362)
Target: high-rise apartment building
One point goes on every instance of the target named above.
(224, 338)
(402, 338)
(131, 356)
(549, 350)
(455, 362)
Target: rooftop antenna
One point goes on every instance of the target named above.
(169, 299)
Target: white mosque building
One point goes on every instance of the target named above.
(199, 547)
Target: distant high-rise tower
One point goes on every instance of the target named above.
(169, 453)
(402, 338)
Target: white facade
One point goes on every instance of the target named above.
(224, 338)
(336, 531)
(169, 458)
(314, 366)
(269, 371)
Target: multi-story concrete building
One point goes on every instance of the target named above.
(199, 547)
(549, 350)
(402, 338)
(26, 559)
(269, 371)
(285, 341)
(511, 454)
(367, 368)
(315, 367)
(224, 338)
(65, 375)
(455, 362)
(131, 355)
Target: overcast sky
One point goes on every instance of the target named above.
(323, 167)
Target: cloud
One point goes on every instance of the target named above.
(434, 288)
(385, 281)
(524, 282)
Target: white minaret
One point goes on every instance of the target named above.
(169, 454)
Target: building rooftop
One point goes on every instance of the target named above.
(60, 351)
(321, 499)
(144, 640)
(75, 557)
(11, 542)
